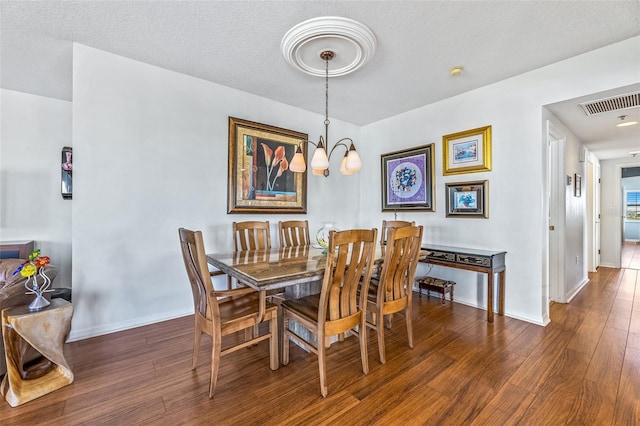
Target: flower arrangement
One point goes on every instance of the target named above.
(467, 200)
(29, 269)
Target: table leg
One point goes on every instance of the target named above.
(262, 305)
(501, 284)
(490, 297)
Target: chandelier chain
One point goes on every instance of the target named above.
(326, 95)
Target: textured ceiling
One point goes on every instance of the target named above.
(237, 44)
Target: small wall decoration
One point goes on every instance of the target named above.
(467, 152)
(259, 177)
(67, 173)
(577, 189)
(408, 179)
(468, 199)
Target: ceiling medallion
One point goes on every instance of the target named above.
(352, 42)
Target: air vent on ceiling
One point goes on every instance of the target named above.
(614, 103)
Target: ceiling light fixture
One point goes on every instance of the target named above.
(623, 123)
(351, 162)
(456, 71)
(308, 47)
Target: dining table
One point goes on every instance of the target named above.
(278, 268)
(272, 268)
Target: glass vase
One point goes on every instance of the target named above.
(322, 236)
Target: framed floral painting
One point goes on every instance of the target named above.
(259, 177)
(467, 152)
(408, 179)
(468, 199)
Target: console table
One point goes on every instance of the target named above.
(483, 261)
(45, 331)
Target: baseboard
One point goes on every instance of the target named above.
(608, 265)
(508, 313)
(124, 325)
(577, 289)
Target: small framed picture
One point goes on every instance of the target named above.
(467, 152)
(577, 188)
(468, 199)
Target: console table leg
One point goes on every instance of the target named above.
(490, 297)
(501, 284)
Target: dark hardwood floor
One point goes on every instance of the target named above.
(582, 369)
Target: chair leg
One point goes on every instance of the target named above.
(380, 334)
(248, 333)
(407, 315)
(273, 341)
(362, 334)
(389, 321)
(322, 365)
(285, 340)
(197, 333)
(215, 363)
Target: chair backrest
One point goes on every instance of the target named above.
(294, 233)
(389, 224)
(195, 262)
(251, 235)
(350, 258)
(400, 263)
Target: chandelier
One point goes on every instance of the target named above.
(351, 162)
(331, 36)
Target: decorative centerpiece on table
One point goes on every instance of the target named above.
(30, 270)
(322, 236)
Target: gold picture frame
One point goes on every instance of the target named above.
(259, 177)
(467, 152)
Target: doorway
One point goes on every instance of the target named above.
(630, 226)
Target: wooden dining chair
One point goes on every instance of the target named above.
(251, 235)
(389, 224)
(337, 309)
(294, 233)
(221, 313)
(391, 292)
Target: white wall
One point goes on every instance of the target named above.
(150, 149)
(518, 206)
(33, 131)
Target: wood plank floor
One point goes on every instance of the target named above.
(630, 255)
(582, 369)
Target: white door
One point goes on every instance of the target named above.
(597, 217)
(556, 181)
(593, 216)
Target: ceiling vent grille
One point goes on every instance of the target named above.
(614, 103)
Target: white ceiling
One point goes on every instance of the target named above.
(237, 44)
